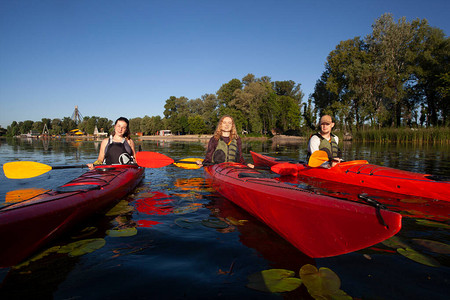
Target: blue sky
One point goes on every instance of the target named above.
(126, 58)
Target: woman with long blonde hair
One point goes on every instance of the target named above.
(225, 145)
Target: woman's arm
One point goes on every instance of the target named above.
(101, 155)
(132, 146)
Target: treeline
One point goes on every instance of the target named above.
(59, 126)
(397, 76)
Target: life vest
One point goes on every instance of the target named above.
(225, 152)
(118, 153)
(330, 147)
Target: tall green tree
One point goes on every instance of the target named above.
(226, 92)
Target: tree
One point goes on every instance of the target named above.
(68, 124)
(26, 126)
(431, 72)
(135, 125)
(176, 113)
(390, 42)
(196, 124)
(210, 111)
(226, 92)
(104, 125)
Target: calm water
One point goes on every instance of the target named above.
(185, 250)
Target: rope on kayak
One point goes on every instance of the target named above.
(378, 206)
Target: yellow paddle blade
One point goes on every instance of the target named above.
(190, 163)
(24, 169)
(23, 194)
(318, 158)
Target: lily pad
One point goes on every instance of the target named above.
(395, 242)
(185, 223)
(122, 207)
(436, 247)
(38, 257)
(322, 283)
(417, 257)
(187, 209)
(235, 222)
(82, 247)
(432, 224)
(274, 281)
(215, 223)
(122, 232)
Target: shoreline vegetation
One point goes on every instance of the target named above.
(434, 135)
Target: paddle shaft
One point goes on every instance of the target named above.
(68, 167)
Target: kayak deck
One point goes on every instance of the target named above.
(28, 225)
(319, 226)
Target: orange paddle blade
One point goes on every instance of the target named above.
(188, 163)
(24, 169)
(149, 159)
(318, 158)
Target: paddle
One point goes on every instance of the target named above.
(29, 169)
(318, 158)
(158, 160)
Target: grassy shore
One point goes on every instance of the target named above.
(436, 135)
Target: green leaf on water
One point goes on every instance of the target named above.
(417, 257)
(274, 281)
(432, 224)
(436, 247)
(236, 222)
(187, 209)
(82, 247)
(395, 242)
(322, 283)
(215, 223)
(122, 207)
(122, 232)
(185, 223)
(37, 257)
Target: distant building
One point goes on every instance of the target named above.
(99, 134)
(165, 132)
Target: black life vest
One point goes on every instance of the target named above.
(118, 153)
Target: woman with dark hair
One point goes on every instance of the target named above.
(118, 149)
(225, 145)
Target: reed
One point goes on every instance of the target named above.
(435, 135)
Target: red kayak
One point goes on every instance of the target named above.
(361, 173)
(27, 226)
(319, 226)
